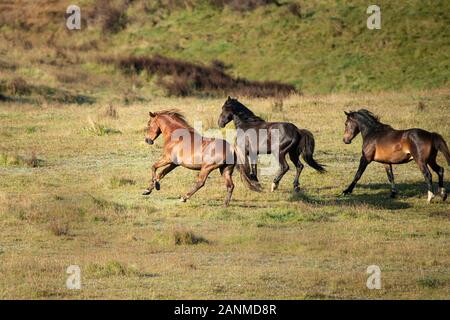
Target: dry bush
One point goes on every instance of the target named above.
(187, 237)
(19, 87)
(242, 5)
(187, 79)
(111, 15)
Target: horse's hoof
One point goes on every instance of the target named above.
(431, 195)
(346, 193)
(157, 185)
(274, 187)
(183, 199)
(146, 192)
(393, 194)
(297, 189)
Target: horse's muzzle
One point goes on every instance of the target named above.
(148, 140)
(347, 141)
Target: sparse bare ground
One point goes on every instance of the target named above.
(82, 205)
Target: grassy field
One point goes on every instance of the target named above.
(321, 47)
(71, 178)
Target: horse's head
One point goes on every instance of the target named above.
(153, 129)
(351, 128)
(227, 113)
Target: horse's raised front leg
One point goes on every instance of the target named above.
(390, 175)
(154, 183)
(363, 163)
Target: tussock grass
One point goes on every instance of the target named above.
(109, 269)
(14, 160)
(187, 237)
(98, 129)
(59, 228)
(117, 182)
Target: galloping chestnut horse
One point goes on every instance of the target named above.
(382, 143)
(181, 149)
(292, 140)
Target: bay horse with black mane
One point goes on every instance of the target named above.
(185, 147)
(292, 140)
(382, 143)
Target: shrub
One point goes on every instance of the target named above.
(181, 78)
(19, 87)
(111, 15)
(242, 5)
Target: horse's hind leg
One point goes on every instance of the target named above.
(284, 167)
(227, 173)
(202, 176)
(428, 178)
(390, 175)
(294, 156)
(440, 172)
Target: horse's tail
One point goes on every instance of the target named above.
(307, 145)
(244, 170)
(440, 144)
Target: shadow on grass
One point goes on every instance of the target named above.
(375, 200)
(380, 199)
(408, 190)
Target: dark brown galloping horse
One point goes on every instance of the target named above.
(382, 143)
(291, 140)
(183, 146)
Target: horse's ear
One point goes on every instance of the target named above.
(347, 113)
(151, 114)
(229, 98)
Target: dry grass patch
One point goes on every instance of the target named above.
(187, 237)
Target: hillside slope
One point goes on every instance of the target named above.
(317, 46)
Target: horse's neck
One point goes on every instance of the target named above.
(242, 124)
(366, 130)
(167, 129)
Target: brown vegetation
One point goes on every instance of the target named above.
(195, 79)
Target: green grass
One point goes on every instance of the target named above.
(327, 49)
(84, 207)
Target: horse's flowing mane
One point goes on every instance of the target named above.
(242, 112)
(176, 115)
(367, 118)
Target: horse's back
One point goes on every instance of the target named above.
(401, 146)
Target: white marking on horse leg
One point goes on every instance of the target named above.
(430, 196)
(274, 187)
